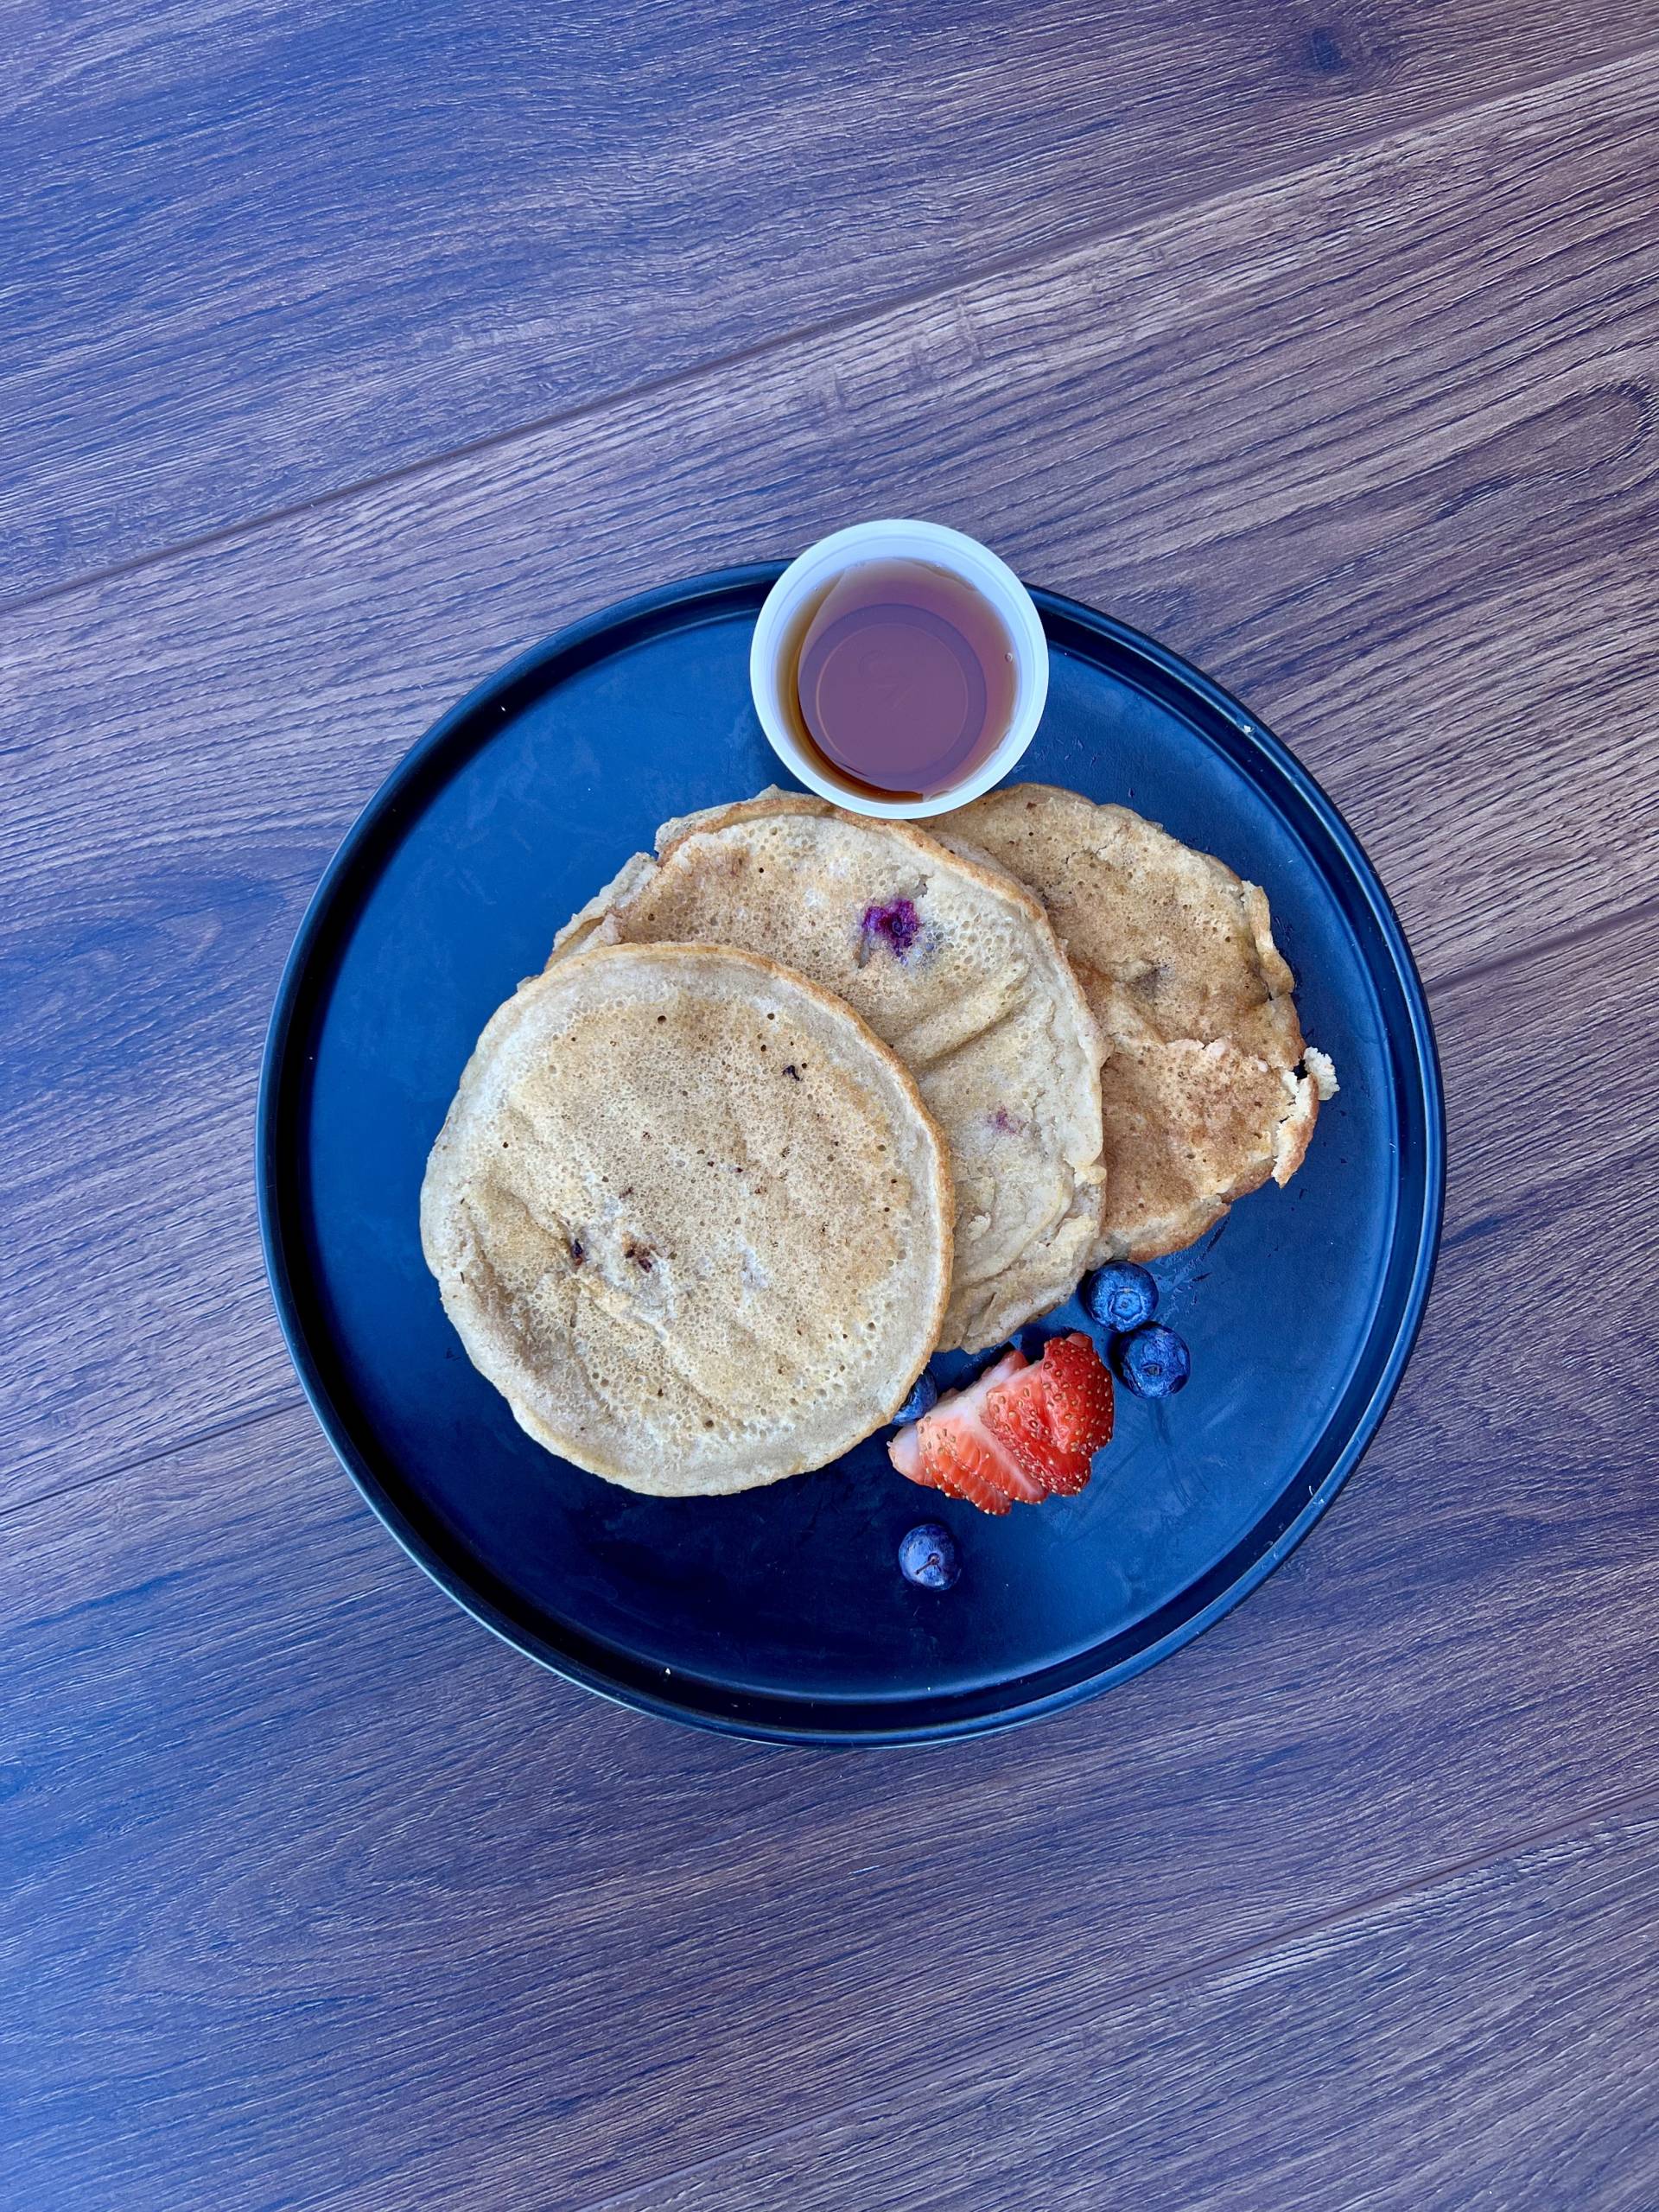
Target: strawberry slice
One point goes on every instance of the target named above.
(952, 1450)
(1021, 1432)
(1055, 1416)
(1079, 1385)
(1019, 1413)
(961, 1463)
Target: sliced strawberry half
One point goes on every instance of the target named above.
(952, 1450)
(1021, 1432)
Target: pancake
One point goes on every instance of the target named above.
(952, 965)
(690, 1218)
(1207, 1088)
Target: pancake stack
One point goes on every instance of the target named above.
(953, 966)
(805, 1096)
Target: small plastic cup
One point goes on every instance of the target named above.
(815, 569)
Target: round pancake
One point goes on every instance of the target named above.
(1207, 1088)
(690, 1218)
(952, 965)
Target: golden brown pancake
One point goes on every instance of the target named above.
(1207, 1088)
(690, 1218)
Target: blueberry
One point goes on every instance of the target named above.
(897, 922)
(1120, 1297)
(929, 1558)
(1154, 1361)
(922, 1400)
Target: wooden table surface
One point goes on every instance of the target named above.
(345, 350)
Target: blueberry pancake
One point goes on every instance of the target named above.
(1207, 1087)
(690, 1218)
(952, 965)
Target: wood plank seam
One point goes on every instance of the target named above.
(251, 1417)
(871, 309)
(1517, 1204)
(1518, 956)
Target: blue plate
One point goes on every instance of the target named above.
(782, 1612)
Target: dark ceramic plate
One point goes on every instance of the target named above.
(782, 1612)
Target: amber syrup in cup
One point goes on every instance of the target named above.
(899, 679)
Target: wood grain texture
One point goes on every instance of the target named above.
(256, 252)
(1407, 515)
(315, 1895)
(1485, 2044)
(1322, 340)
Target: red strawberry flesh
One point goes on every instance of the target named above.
(1018, 1432)
(1018, 1413)
(1079, 1385)
(950, 1449)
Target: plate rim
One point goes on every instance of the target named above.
(808, 1726)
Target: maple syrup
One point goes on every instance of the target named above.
(899, 679)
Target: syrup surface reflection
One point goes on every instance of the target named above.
(899, 679)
